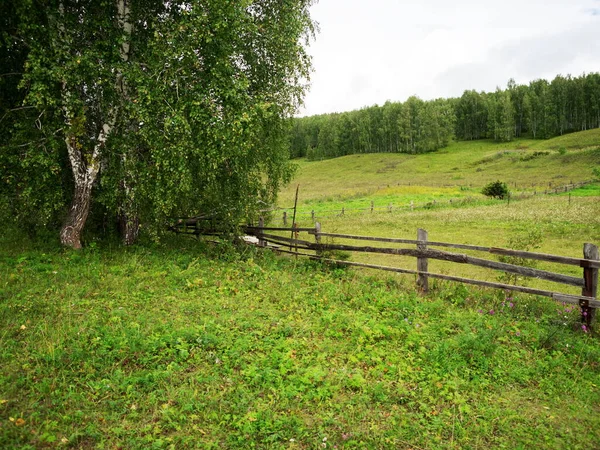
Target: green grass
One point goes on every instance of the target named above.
(445, 190)
(526, 165)
(187, 345)
(583, 139)
(181, 346)
(589, 190)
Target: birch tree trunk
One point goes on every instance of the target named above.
(84, 175)
(85, 165)
(128, 218)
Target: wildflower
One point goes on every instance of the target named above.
(492, 312)
(480, 311)
(511, 305)
(584, 328)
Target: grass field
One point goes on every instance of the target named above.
(181, 346)
(187, 344)
(458, 171)
(444, 189)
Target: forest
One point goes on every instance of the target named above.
(540, 110)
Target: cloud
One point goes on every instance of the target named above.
(544, 56)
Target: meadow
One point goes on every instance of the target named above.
(188, 344)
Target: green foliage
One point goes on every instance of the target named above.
(193, 103)
(495, 189)
(414, 126)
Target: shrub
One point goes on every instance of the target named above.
(496, 189)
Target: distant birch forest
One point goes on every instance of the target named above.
(540, 110)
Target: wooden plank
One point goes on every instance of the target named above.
(494, 250)
(462, 259)
(249, 228)
(545, 257)
(576, 299)
(422, 263)
(565, 298)
(404, 241)
(286, 240)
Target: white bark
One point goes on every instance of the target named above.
(85, 171)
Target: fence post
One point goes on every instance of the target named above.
(284, 218)
(312, 215)
(372, 204)
(295, 236)
(590, 280)
(422, 263)
(261, 224)
(342, 210)
(390, 208)
(318, 236)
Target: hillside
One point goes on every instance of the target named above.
(460, 169)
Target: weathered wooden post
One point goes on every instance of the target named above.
(318, 237)
(342, 210)
(390, 208)
(312, 215)
(284, 218)
(261, 225)
(422, 263)
(372, 205)
(590, 280)
(295, 236)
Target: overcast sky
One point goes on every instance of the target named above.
(370, 51)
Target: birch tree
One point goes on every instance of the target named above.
(168, 107)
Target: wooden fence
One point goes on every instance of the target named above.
(424, 250)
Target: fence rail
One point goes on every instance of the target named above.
(590, 263)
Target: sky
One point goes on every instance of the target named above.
(371, 51)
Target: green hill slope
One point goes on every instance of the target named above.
(460, 169)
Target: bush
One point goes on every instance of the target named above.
(496, 189)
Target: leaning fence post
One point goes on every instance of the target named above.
(422, 263)
(590, 284)
(284, 218)
(261, 225)
(318, 237)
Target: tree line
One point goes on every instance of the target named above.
(123, 114)
(540, 110)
